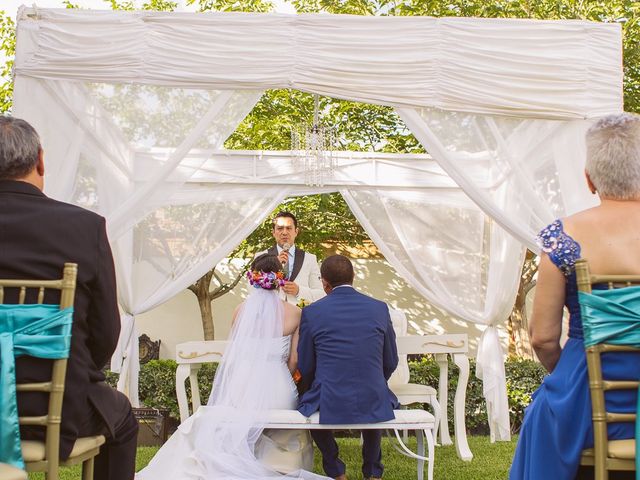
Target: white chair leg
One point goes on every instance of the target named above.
(405, 433)
(431, 453)
(195, 390)
(462, 446)
(420, 442)
(182, 372)
(419, 455)
(437, 413)
(443, 392)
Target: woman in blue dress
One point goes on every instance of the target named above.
(557, 425)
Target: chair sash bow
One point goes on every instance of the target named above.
(42, 331)
(613, 316)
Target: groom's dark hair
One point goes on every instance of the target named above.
(337, 270)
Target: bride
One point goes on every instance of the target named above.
(226, 439)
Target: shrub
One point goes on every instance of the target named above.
(157, 384)
(158, 388)
(523, 377)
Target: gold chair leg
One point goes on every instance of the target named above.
(601, 472)
(87, 469)
(51, 475)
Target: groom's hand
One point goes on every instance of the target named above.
(291, 288)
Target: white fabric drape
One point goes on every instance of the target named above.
(175, 246)
(126, 359)
(529, 68)
(447, 250)
(523, 173)
(161, 242)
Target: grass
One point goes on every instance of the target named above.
(490, 461)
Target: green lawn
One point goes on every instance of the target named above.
(490, 462)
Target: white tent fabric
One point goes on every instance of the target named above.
(530, 170)
(131, 128)
(435, 240)
(550, 69)
(523, 173)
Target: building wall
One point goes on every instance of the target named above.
(178, 320)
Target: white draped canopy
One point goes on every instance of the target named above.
(134, 107)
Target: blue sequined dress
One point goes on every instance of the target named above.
(557, 424)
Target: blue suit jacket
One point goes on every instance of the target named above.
(347, 351)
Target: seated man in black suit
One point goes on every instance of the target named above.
(37, 236)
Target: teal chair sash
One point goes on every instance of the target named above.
(42, 331)
(613, 316)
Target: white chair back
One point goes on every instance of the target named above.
(399, 321)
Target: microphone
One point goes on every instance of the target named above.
(285, 265)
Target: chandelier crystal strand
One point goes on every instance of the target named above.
(312, 150)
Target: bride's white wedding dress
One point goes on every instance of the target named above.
(284, 450)
(225, 439)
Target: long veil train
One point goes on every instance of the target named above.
(218, 441)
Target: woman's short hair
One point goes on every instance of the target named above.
(613, 156)
(19, 148)
(266, 263)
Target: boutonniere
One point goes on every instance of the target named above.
(302, 303)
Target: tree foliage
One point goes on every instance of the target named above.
(258, 6)
(8, 48)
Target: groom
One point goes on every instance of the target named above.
(346, 353)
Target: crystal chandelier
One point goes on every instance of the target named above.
(311, 149)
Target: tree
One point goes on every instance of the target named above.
(517, 325)
(8, 48)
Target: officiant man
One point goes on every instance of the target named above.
(300, 267)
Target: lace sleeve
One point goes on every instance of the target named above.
(561, 248)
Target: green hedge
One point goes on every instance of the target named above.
(158, 380)
(523, 377)
(157, 384)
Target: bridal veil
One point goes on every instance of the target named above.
(219, 440)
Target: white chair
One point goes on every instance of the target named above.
(410, 393)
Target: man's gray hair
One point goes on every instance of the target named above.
(19, 148)
(613, 156)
